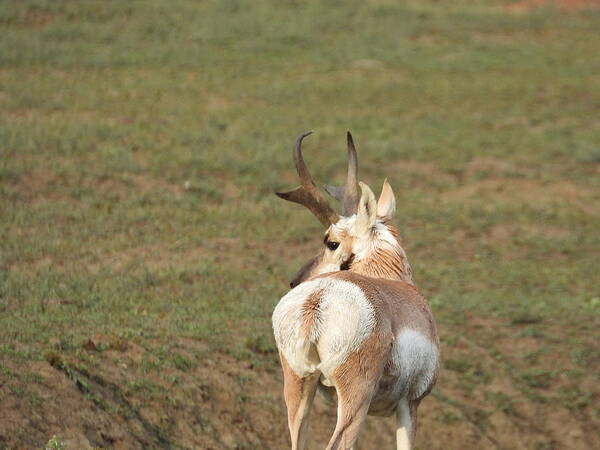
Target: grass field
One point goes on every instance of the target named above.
(142, 251)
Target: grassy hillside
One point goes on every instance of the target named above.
(142, 251)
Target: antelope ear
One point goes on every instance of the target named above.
(386, 205)
(367, 209)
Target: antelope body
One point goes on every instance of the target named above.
(354, 326)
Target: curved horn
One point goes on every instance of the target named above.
(351, 191)
(348, 194)
(307, 193)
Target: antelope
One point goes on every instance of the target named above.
(354, 326)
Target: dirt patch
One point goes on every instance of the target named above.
(505, 374)
(533, 193)
(177, 393)
(37, 17)
(51, 403)
(420, 172)
(157, 257)
(565, 5)
(485, 167)
(47, 185)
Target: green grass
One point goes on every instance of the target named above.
(141, 142)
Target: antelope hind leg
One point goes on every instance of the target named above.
(299, 394)
(353, 406)
(356, 381)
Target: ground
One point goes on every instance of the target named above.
(142, 250)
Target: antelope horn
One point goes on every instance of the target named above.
(351, 191)
(307, 193)
(349, 194)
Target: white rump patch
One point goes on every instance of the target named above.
(287, 318)
(344, 318)
(415, 360)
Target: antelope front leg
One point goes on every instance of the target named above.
(406, 423)
(403, 426)
(299, 394)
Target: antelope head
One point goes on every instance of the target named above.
(362, 239)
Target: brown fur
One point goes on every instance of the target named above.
(298, 394)
(365, 366)
(398, 302)
(309, 312)
(385, 264)
(414, 406)
(398, 305)
(390, 264)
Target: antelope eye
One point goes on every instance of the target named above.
(331, 245)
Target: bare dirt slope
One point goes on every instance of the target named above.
(217, 401)
(566, 5)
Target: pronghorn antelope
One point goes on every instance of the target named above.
(354, 325)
